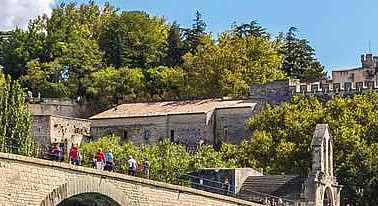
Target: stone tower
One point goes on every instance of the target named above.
(322, 188)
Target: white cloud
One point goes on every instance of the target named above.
(17, 13)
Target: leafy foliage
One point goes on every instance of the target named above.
(169, 162)
(282, 137)
(228, 67)
(15, 120)
(134, 39)
(104, 57)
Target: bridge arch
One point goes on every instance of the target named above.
(88, 184)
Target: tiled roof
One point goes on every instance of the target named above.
(170, 107)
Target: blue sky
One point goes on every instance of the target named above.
(338, 30)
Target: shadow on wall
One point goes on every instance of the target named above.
(89, 199)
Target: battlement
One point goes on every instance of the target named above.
(283, 90)
(330, 87)
(368, 60)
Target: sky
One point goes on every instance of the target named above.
(340, 31)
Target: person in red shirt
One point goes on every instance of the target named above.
(74, 155)
(100, 159)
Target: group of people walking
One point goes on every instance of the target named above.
(105, 161)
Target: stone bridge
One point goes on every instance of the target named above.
(29, 181)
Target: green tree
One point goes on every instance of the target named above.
(18, 48)
(15, 119)
(282, 136)
(196, 36)
(250, 29)
(110, 86)
(229, 66)
(164, 83)
(134, 39)
(299, 61)
(176, 49)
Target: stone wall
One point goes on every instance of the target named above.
(230, 124)
(70, 130)
(47, 106)
(226, 124)
(138, 129)
(271, 93)
(277, 92)
(187, 128)
(26, 181)
(49, 129)
(41, 129)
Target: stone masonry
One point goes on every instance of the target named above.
(344, 82)
(48, 129)
(27, 181)
(212, 120)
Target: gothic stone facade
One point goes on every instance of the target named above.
(322, 188)
(212, 120)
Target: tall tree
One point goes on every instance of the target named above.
(15, 119)
(164, 83)
(18, 48)
(197, 35)
(134, 39)
(69, 48)
(250, 29)
(282, 138)
(176, 49)
(229, 66)
(299, 61)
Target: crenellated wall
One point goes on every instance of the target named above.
(281, 91)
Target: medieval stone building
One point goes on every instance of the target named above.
(56, 121)
(186, 122)
(346, 82)
(364, 76)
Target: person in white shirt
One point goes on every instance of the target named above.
(132, 166)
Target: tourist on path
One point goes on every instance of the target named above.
(100, 159)
(132, 166)
(146, 168)
(109, 161)
(74, 155)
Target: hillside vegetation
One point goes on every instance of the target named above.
(106, 56)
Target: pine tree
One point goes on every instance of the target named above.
(299, 61)
(194, 37)
(175, 47)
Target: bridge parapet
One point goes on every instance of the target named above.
(30, 181)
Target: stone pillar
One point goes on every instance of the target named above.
(321, 186)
